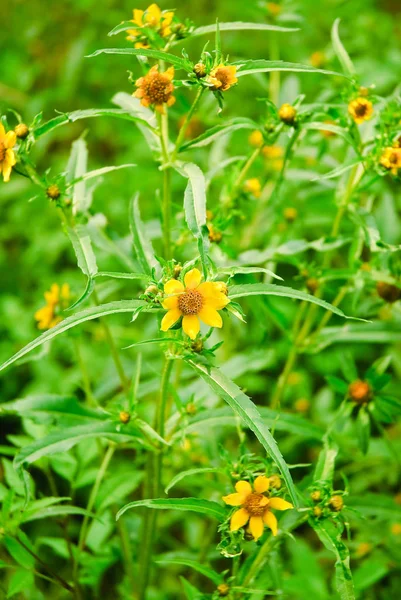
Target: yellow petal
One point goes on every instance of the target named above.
(153, 14)
(138, 15)
(210, 316)
(280, 504)
(170, 318)
(256, 527)
(261, 484)
(193, 278)
(271, 521)
(10, 157)
(191, 325)
(10, 139)
(65, 291)
(173, 287)
(171, 302)
(169, 73)
(6, 171)
(243, 487)
(234, 499)
(2, 130)
(239, 519)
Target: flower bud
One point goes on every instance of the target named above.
(190, 408)
(275, 481)
(223, 589)
(124, 417)
(360, 391)
(152, 289)
(287, 114)
(199, 70)
(317, 511)
(302, 405)
(290, 214)
(336, 503)
(312, 285)
(316, 495)
(176, 271)
(396, 528)
(53, 192)
(214, 235)
(197, 346)
(21, 131)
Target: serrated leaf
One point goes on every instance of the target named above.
(81, 242)
(198, 505)
(178, 62)
(52, 404)
(193, 564)
(214, 133)
(146, 120)
(341, 52)
(190, 473)
(252, 67)
(142, 247)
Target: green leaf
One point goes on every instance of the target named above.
(378, 506)
(102, 171)
(179, 63)
(54, 511)
(341, 52)
(271, 289)
(64, 439)
(339, 170)
(142, 247)
(117, 275)
(120, 306)
(19, 554)
(243, 406)
(21, 580)
(195, 207)
(363, 429)
(85, 114)
(246, 270)
(322, 126)
(250, 67)
(76, 168)
(213, 133)
(190, 473)
(193, 564)
(239, 26)
(52, 404)
(326, 463)
(331, 539)
(81, 242)
(199, 505)
(144, 117)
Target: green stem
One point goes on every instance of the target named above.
(127, 554)
(184, 126)
(155, 479)
(85, 375)
(245, 168)
(166, 205)
(91, 502)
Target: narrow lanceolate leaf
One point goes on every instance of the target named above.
(246, 271)
(205, 507)
(120, 306)
(66, 438)
(144, 117)
(243, 406)
(54, 511)
(331, 539)
(341, 52)
(195, 207)
(81, 242)
(54, 405)
(90, 113)
(142, 247)
(339, 170)
(118, 275)
(102, 171)
(178, 62)
(326, 463)
(250, 67)
(270, 289)
(217, 131)
(191, 473)
(76, 168)
(193, 564)
(321, 126)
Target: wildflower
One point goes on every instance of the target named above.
(7, 155)
(336, 503)
(124, 417)
(222, 77)
(360, 391)
(275, 156)
(223, 589)
(273, 8)
(21, 131)
(53, 192)
(156, 88)
(255, 506)
(199, 70)
(317, 59)
(316, 495)
(302, 405)
(290, 214)
(391, 159)
(253, 186)
(56, 299)
(152, 18)
(360, 110)
(193, 301)
(256, 138)
(190, 408)
(317, 511)
(287, 114)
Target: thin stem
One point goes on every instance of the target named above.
(155, 479)
(113, 349)
(84, 372)
(126, 550)
(91, 502)
(246, 167)
(166, 205)
(184, 126)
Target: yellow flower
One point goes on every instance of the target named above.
(360, 110)
(391, 159)
(222, 77)
(255, 506)
(56, 299)
(156, 88)
(7, 155)
(151, 17)
(287, 113)
(193, 301)
(317, 59)
(253, 186)
(256, 138)
(273, 8)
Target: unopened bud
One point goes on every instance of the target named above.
(360, 391)
(124, 417)
(21, 131)
(53, 192)
(287, 114)
(336, 503)
(199, 70)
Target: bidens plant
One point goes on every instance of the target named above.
(233, 325)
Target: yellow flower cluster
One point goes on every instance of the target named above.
(360, 110)
(156, 89)
(222, 77)
(7, 155)
(56, 300)
(153, 18)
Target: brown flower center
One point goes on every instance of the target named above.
(254, 504)
(2, 152)
(393, 158)
(190, 302)
(361, 110)
(157, 88)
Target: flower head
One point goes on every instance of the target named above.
(287, 114)
(56, 300)
(7, 155)
(360, 110)
(253, 186)
(256, 507)
(153, 18)
(21, 130)
(193, 300)
(156, 88)
(256, 138)
(391, 159)
(360, 391)
(222, 77)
